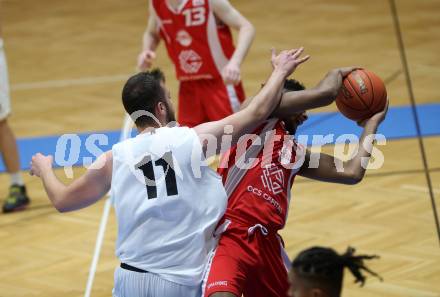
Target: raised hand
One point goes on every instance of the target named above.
(288, 60)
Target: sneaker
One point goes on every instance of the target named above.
(16, 200)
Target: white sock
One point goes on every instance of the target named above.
(16, 179)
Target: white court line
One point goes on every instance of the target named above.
(70, 82)
(125, 133)
(419, 188)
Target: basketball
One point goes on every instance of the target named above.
(362, 95)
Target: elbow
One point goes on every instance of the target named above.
(62, 210)
(252, 30)
(354, 179)
(60, 206)
(247, 27)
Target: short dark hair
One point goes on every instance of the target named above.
(141, 92)
(293, 85)
(324, 268)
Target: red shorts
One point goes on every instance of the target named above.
(246, 263)
(205, 100)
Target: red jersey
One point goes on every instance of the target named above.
(196, 43)
(261, 194)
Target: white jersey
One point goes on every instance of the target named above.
(166, 213)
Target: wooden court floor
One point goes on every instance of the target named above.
(68, 61)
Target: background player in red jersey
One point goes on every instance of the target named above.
(249, 258)
(199, 42)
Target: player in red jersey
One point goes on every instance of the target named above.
(258, 176)
(199, 42)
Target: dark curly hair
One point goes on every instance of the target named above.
(324, 267)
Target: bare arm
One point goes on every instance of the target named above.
(321, 95)
(150, 41)
(246, 33)
(84, 191)
(353, 170)
(262, 105)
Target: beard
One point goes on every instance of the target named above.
(171, 116)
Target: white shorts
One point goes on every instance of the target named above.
(134, 284)
(5, 103)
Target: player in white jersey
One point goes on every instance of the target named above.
(17, 198)
(166, 207)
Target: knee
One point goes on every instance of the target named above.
(3, 123)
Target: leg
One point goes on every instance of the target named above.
(17, 198)
(227, 270)
(8, 148)
(271, 279)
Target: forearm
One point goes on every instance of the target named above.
(265, 102)
(321, 95)
(150, 40)
(54, 188)
(356, 167)
(244, 41)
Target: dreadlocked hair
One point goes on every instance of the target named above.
(324, 265)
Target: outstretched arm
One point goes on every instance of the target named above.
(84, 191)
(150, 41)
(321, 95)
(262, 105)
(354, 169)
(246, 33)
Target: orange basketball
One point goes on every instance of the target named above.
(362, 95)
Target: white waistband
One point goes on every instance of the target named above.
(263, 229)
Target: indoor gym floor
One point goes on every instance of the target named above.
(69, 59)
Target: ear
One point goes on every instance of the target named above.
(161, 108)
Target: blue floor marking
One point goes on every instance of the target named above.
(398, 124)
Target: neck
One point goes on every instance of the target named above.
(147, 129)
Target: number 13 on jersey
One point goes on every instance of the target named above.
(194, 16)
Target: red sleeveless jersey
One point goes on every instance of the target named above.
(196, 43)
(261, 194)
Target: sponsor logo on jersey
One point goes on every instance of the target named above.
(260, 193)
(184, 38)
(218, 283)
(273, 178)
(190, 61)
(198, 2)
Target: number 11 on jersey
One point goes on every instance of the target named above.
(147, 168)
